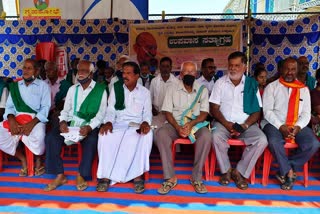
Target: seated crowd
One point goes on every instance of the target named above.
(118, 114)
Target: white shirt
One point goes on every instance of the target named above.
(4, 97)
(209, 85)
(275, 105)
(137, 106)
(230, 99)
(158, 89)
(178, 99)
(54, 90)
(68, 108)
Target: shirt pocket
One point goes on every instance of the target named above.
(137, 106)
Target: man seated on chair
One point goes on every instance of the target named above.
(25, 116)
(186, 107)
(59, 88)
(4, 93)
(287, 108)
(158, 88)
(235, 105)
(125, 140)
(82, 114)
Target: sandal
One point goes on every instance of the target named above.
(81, 184)
(103, 185)
(240, 181)
(288, 184)
(198, 186)
(39, 171)
(138, 186)
(225, 178)
(55, 184)
(166, 187)
(23, 172)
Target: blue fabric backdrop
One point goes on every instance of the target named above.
(108, 39)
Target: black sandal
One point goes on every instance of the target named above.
(225, 178)
(288, 184)
(103, 185)
(138, 186)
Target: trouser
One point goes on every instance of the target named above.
(308, 145)
(164, 138)
(255, 142)
(55, 142)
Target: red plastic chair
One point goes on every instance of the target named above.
(268, 160)
(231, 142)
(187, 141)
(30, 161)
(1, 160)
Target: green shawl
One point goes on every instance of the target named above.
(119, 93)
(18, 102)
(90, 106)
(250, 100)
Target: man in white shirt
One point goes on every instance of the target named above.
(158, 88)
(236, 109)
(3, 96)
(186, 107)
(287, 108)
(84, 110)
(125, 140)
(208, 71)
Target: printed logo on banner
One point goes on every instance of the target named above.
(41, 4)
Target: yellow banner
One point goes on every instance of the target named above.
(185, 41)
(35, 14)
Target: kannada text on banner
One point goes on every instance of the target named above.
(186, 41)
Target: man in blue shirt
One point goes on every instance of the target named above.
(25, 116)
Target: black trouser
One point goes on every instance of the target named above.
(54, 144)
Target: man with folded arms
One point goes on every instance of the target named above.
(123, 148)
(287, 108)
(186, 107)
(25, 116)
(235, 105)
(82, 114)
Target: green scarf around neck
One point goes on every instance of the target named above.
(18, 102)
(91, 105)
(119, 93)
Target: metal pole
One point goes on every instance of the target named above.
(163, 15)
(18, 8)
(249, 35)
(111, 9)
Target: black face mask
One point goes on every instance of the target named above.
(28, 80)
(84, 81)
(119, 74)
(188, 80)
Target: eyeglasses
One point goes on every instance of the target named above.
(212, 67)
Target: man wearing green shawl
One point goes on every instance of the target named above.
(303, 76)
(83, 112)
(124, 148)
(186, 108)
(25, 116)
(59, 88)
(235, 105)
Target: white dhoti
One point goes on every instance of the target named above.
(123, 154)
(34, 142)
